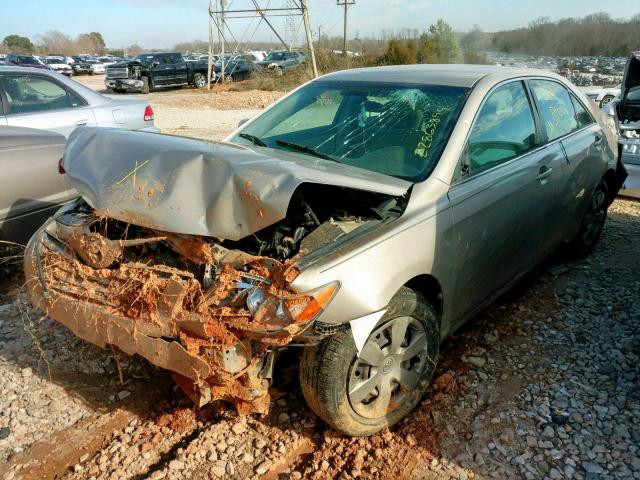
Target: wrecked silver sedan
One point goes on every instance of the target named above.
(364, 217)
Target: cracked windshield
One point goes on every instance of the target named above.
(398, 130)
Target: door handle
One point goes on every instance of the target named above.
(545, 172)
(84, 121)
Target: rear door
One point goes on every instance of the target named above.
(180, 69)
(501, 202)
(568, 123)
(39, 101)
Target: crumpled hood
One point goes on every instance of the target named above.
(195, 187)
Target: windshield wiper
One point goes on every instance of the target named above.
(306, 149)
(253, 138)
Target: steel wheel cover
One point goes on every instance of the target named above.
(389, 367)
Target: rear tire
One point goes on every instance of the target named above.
(145, 84)
(359, 398)
(199, 80)
(592, 222)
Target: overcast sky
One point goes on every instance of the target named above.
(163, 23)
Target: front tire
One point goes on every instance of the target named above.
(592, 223)
(361, 395)
(199, 80)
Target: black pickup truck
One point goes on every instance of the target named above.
(155, 70)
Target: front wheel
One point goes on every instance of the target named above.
(145, 85)
(199, 80)
(592, 222)
(359, 395)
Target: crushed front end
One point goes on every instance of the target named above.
(213, 316)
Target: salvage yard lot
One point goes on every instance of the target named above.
(544, 383)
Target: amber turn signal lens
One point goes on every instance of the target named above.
(309, 305)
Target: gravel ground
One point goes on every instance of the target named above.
(545, 383)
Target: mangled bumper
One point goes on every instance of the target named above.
(164, 314)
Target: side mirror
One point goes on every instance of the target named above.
(155, 63)
(242, 122)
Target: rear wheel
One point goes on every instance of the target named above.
(592, 222)
(361, 394)
(199, 80)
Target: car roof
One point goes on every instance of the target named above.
(429, 74)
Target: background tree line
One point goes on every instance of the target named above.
(56, 42)
(595, 35)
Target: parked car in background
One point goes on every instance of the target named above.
(364, 217)
(602, 96)
(106, 61)
(58, 64)
(45, 100)
(96, 67)
(81, 67)
(236, 69)
(625, 108)
(254, 56)
(30, 61)
(155, 70)
(282, 61)
(31, 189)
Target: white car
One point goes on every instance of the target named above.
(602, 96)
(96, 67)
(59, 65)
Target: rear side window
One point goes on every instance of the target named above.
(504, 128)
(556, 108)
(32, 94)
(582, 114)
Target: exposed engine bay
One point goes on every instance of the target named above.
(212, 311)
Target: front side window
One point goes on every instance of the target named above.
(556, 108)
(504, 128)
(30, 94)
(395, 129)
(276, 56)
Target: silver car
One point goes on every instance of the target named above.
(48, 100)
(363, 217)
(625, 109)
(31, 189)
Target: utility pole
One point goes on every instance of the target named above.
(346, 4)
(307, 27)
(210, 56)
(222, 41)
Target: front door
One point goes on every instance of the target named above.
(501, 203)
(162, 70)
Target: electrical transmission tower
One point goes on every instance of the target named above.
(291, 25)
(221, 13)
(345, 4)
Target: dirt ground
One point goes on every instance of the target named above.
(545, 383)
(209, 114)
